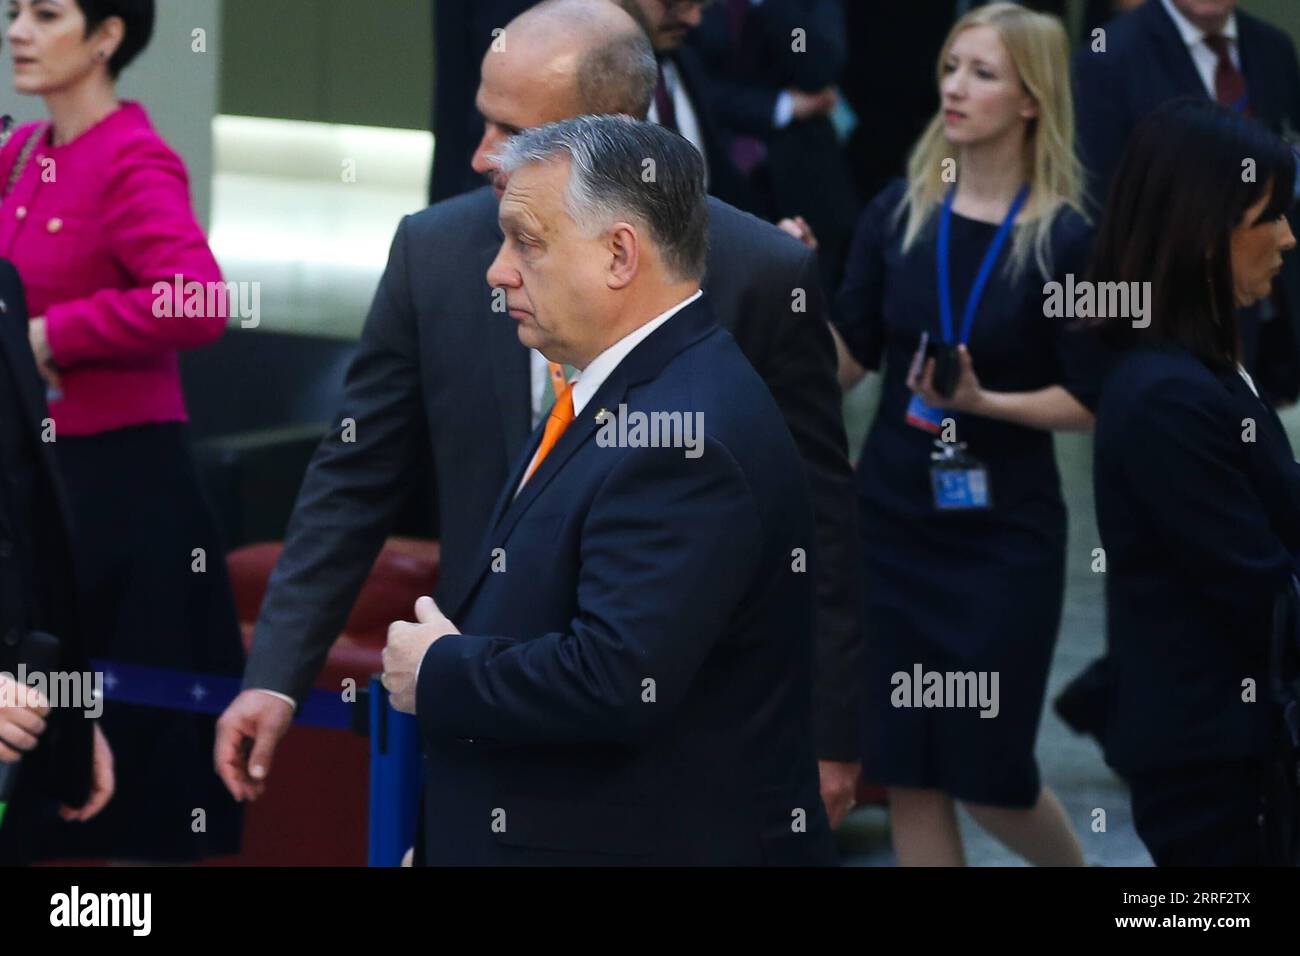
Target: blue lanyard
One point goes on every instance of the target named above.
(986, 267)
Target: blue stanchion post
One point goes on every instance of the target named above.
(395, 784)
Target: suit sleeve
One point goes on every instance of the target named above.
(1182, 461)
(800, 373)
(669, 550)
(350, 496)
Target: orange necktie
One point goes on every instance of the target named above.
(558, 420)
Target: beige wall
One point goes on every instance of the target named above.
(177, 85)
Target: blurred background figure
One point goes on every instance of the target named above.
(1199, 511)
(772, 66)
(463, 33)
(684, 100)
(1162, 50)
(1165, 49)
(974, 585)
(50, 757)
(95, 242)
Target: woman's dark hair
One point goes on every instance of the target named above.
(1181, 188)
(138, 15)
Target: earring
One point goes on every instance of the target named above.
(101, 55)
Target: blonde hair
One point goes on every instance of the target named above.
(1040, 53)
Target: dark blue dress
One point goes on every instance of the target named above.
(972, 590)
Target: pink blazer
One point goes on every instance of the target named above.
(97, 228)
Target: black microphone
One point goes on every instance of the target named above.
(40, 652)
(6, 129)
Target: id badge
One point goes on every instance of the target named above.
(959, 482)
(921, 415)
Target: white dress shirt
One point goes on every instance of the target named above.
(1194, 38)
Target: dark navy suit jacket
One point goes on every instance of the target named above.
(37, 585)
(1198, 505)
(633, 685)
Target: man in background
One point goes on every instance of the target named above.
(683, 100)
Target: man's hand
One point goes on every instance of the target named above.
(406, 647)
(810, 105)
(102, 783)
(247, 735)
(839, 784)
(20, 725)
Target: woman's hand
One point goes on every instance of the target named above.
(102, 784)
(967, 396)
(40, 344)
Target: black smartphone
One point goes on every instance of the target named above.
(947, 366)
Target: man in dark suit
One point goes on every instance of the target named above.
(63, 756)
(1160, 51)
(437, 367)
(682, 100)
(772, 68)
(630, 681)
(462, 34)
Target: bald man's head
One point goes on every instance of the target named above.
(558, 60)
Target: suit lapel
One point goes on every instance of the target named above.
(1172, 52)
(642, 364)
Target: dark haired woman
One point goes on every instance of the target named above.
(1198, 492)
(96, 217)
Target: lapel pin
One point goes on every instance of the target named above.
(4, 309)
(602, 414)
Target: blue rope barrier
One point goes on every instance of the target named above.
(394, 737)
(208, 693)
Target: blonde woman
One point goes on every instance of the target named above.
(963, 525)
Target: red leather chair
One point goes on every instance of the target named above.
(314, 810)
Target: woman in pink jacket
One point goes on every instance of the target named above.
(95, 213)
